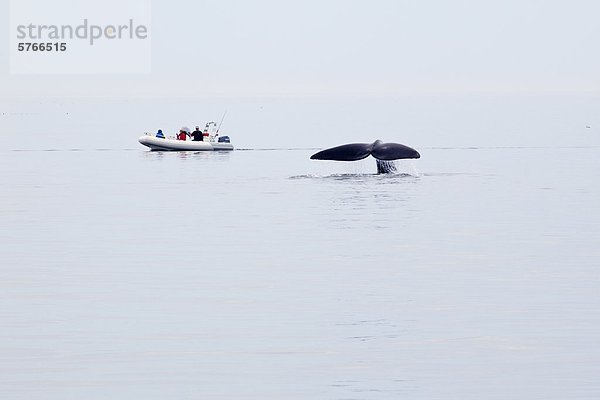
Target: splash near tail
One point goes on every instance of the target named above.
(386, 167)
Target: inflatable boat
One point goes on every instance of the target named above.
(222, 143)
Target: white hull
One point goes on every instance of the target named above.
(158, 144)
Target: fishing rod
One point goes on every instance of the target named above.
(221, 123)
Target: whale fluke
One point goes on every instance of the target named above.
(393, 151)
(346, 152)
(358, 151)
(383, 152)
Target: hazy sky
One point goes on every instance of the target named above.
(334, 47)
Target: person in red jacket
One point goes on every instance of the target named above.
(182, 135)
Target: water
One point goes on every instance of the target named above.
(472, 273)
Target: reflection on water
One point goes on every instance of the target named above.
(386, 178)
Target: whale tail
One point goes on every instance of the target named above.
(383, 152)
(345, 152)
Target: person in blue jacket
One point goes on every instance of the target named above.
(159, 134)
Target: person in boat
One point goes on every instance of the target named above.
(182, 135)
(197, 135)
(160, 134)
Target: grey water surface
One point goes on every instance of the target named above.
(473, 273)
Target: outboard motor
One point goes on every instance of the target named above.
(224, 139)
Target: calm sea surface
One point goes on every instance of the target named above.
(474, 273)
